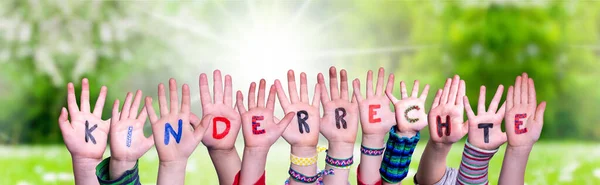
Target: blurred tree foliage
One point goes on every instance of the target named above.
(490, 43)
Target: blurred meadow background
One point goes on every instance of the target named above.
(130, 45)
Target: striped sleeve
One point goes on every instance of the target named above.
(474, 165)
(130, 177)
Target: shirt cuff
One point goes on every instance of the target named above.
(260, 181)
(359, 180)
(130, 177)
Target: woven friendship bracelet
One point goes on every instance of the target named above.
(320, 175)
(397, 157)
(306, 161)
(371, 151)
(339, 163)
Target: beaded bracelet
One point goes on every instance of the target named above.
(306, 161)
(339, 163)
(371, 151)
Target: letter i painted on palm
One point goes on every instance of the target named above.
(129, 133)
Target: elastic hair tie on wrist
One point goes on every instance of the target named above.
(339, 163)
(306, 161)
(371, 151)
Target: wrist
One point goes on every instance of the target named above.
(222, 151)
(406, 133)
(340, 149)
(373, 140)
(439, 146)
(521, 150)
(118, 167)
(84, 163)
(304, 151)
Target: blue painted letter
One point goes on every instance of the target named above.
(176, 135)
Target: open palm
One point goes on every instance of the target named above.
(485, 129)
(128, 142)
(410, 111)
(376, 116)
(524, 121)
(340, 119)
(446, 115)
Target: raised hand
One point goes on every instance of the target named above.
(376, 117)
(175, 138)
(410, 111)
(258, 123)
(340, 118)
(446, 116)
(523, 120)
(224, 127)
(86, 133)
(304, 130)
(127, 140)
(485, 130)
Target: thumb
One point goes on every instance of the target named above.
(283, 124)
(63, 120)
(201, 127)
(539, 113)
(194, 120)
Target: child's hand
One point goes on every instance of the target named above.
(258, 123)
(128, 142)
(485, 130)
(86, 134)
(410, 111)
(376, 117)
(225, 126)
(340, 119)
(523, 121)
(446, 116)
(304, 130)
(175, 138)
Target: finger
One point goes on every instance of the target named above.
(415, 90)
(389, 89)
(194, 120)
(303, 88)
(403, 92)
(517, 92)
(162, 100)
(204, 92)
(271, 99)
(292, 86)
(252, 96)
(370, 84)
(503, 137)
(446, 91)
(423, 96)
(143, 116)
(63, 120)
(150, 110)
(261, 93)
(98, 108)
(283, 124)
(524, 88)
(228, 98)
(462, 89)
(356, 86)
(240, 102)
(218, 87)
(333, 83)
(201, 128)
(185, 99)
(539, 113)
(481, 102)
(437, 99)
(71, 99)
(496, 99)
(126, 106)
(85, 95)
(283, 100)
(318, 95)
(135, 107)
(323, 94)
(380, 79)
(502, 110)
(509, 97)
(454, 90)
(115, 112)
(468, 109)
(532, 96)
(174, 100)
(344, 85)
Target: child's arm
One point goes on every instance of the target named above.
(339, 123)
(223, 130)
(485, 136)
(176, 134)
(376, 119)
(85, 135)
(524, 124)
(303, 133)
(445, 127)
(260, 131)
(410, 119)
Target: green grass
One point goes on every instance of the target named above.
(549, 163)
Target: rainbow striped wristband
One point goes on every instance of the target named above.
(397, 157)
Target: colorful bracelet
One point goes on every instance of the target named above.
(319, 176)
(371, 151)
(397, 157)
(306, 161)
(339, 163)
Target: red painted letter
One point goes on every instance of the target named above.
(518, 123)
(256, 124)
(225, 132)
(372, 114)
